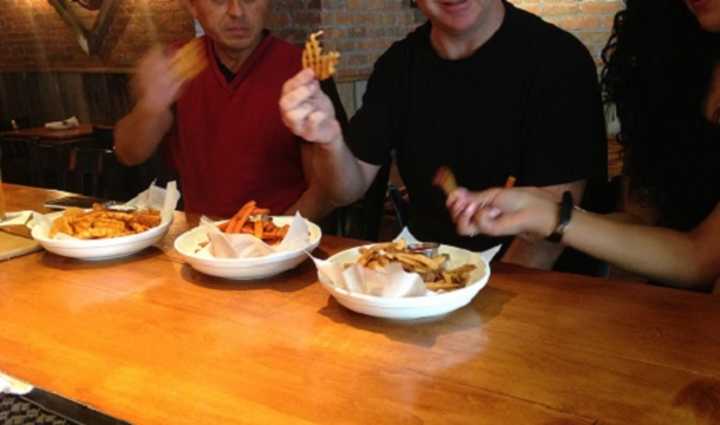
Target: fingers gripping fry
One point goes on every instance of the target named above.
(189, 60)
(323, 64)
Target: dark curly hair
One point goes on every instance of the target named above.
(658, 69)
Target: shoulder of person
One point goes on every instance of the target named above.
(400, 51)
(555, 45)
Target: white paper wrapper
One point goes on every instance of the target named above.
(66, 124)
(17, 218)
(164, 200)
(389, 282)
(237, 245)
(10, 385)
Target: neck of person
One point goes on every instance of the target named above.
(233, 59)
(455, 46)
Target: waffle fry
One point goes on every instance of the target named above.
(101, 223)
(445, 179)
(432, 269)
(189, 60)
(322, 63)
(255, 221)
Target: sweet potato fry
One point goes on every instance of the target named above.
(259, 229)
(238, 220)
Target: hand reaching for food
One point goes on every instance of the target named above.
(503, 211)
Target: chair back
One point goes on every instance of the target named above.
(50, 165)
(15, 161)
(94, 172)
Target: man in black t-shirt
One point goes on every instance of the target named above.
(483, 88)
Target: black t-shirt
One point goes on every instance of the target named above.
(526, 103)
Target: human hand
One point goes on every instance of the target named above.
(307, 111)
(499, 212)
(155, 84)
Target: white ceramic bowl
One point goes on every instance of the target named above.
(189, 242)
(413, 307)
(99, 249)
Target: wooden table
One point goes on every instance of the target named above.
(149, 340)
(73, 135)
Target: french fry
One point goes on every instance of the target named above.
(238, 220)
(189, 60)
(250, 219)
(322, 63)
(432, 269)
(445, 179)
(100, 223)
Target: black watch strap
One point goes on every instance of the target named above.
(566, 207)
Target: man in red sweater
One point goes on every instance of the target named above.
(222, 131)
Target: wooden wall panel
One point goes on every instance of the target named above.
(40, 97)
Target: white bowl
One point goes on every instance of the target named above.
(189, 242)
(99, 249)
(407, 308)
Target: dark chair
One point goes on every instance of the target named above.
(365, 218)
(102, 137)
(15, 160)
(50, 164)
(96, 172)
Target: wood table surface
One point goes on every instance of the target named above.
(151, 341)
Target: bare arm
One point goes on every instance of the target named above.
(314, 203)
(539, 253)
(683, 259)
(308, 113)
(156, 88)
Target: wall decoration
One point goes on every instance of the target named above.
(90, 39)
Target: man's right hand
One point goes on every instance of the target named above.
(155, 84)
(307, 111)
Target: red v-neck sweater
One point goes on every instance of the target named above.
(228, 142)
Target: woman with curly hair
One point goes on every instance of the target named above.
(662, 72)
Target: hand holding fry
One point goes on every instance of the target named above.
(307, 111)
(159, 76)
(499, 211)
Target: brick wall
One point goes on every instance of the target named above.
(590, 20)
(35, 38)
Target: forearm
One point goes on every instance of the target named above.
(339, 173)
(313, 204)
(139, 133)
(659, 253)
(537, 254)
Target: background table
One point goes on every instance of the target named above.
(73, 135)
(151, 341)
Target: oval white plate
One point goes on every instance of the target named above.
(245, 268)
(413, 307)
(99, 249)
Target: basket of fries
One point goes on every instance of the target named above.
(106, 232)
(251, 245)
(404, 279)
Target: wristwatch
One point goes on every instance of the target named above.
(566, 208)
